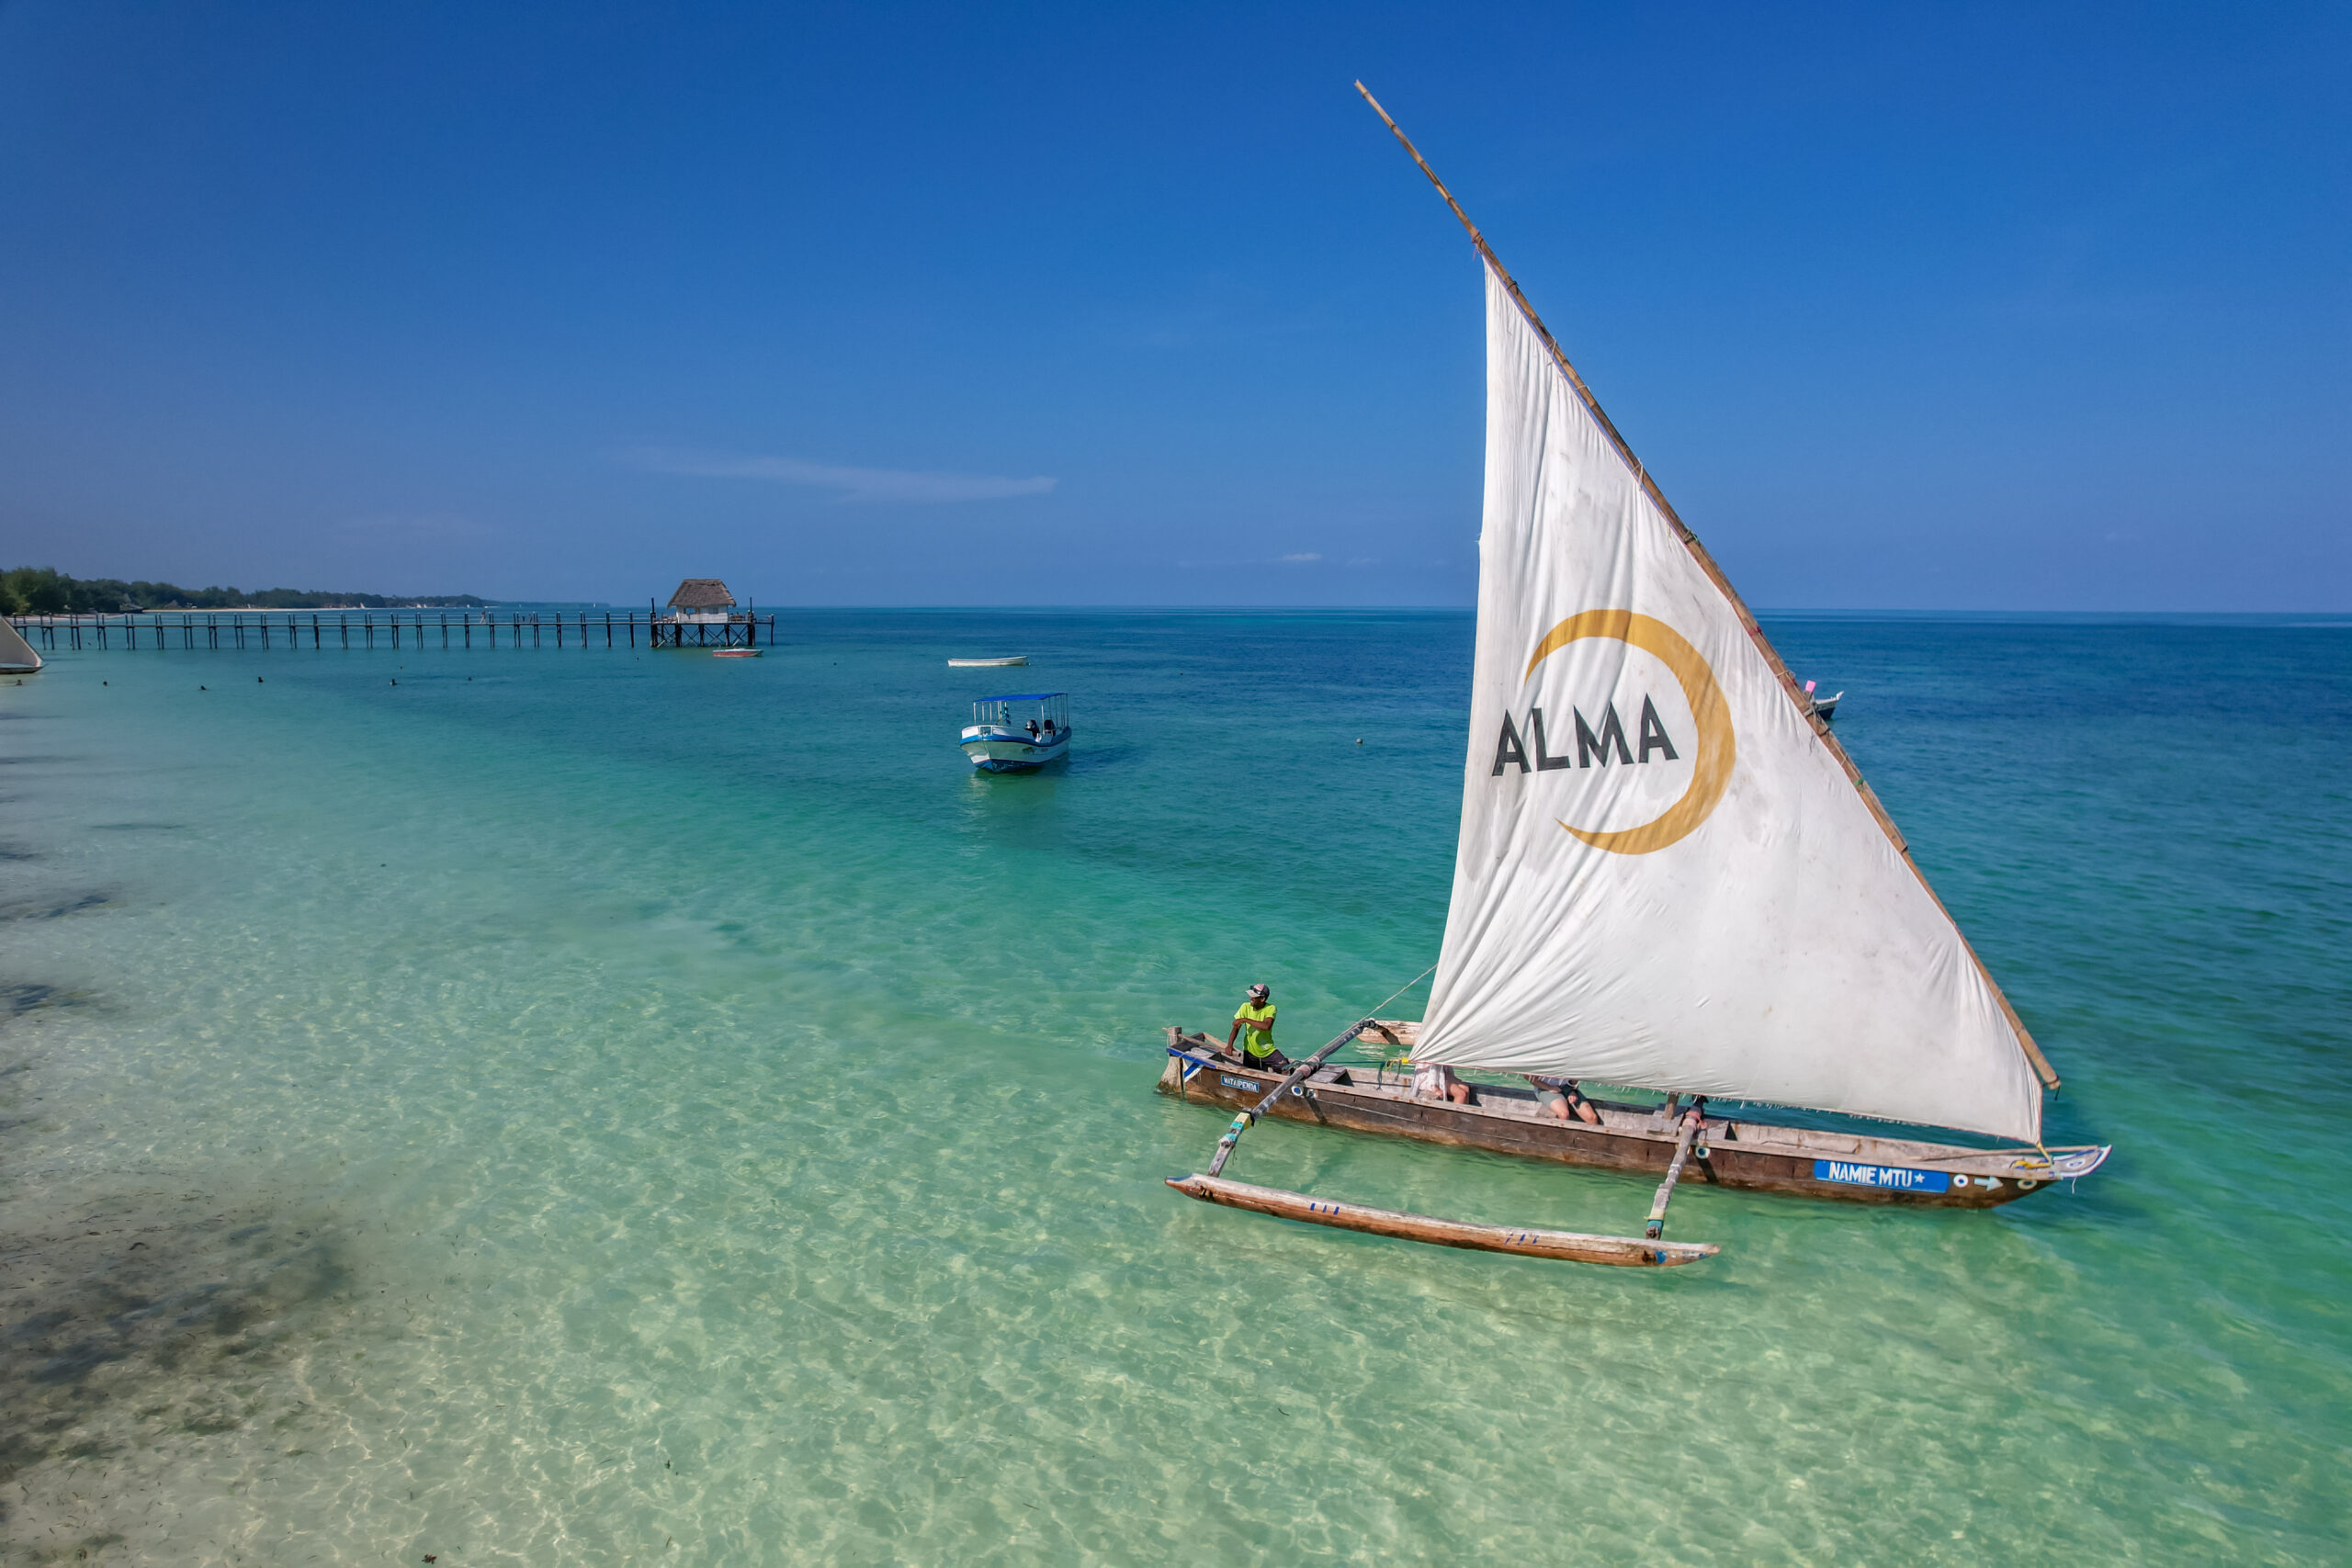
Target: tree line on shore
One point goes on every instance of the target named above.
(44, 590)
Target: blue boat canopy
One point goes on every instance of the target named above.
(1026, 698)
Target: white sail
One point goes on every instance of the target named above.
(16, 655)
(1664, 877)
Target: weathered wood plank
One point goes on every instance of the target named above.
(1568, 1246)
(1655, 1226)
(1756, 1157)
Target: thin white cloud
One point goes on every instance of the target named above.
(417, 525)
(1301, 559)
(853, 484)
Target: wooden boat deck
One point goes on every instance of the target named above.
(1752, 1156)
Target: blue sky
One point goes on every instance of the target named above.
(2028, 307)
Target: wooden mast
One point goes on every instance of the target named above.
(1706, 562)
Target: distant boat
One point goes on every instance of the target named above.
(987, 663)
(735, 652)
(16, 655)
(1017, 734)
(1825, 708)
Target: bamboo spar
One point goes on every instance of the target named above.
(1567, 1245)
(1706, 563)
(1298, 1074)
(1572, 1247)
(1655, 1226)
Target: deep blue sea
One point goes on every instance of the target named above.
(538, 1107)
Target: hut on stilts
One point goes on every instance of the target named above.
(703, 613)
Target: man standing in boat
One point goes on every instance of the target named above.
(1254, 1021)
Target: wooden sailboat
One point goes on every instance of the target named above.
(1670, 876)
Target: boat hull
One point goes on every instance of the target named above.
(1746, 1155)
(1008, 754)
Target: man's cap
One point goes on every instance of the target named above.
(1259, 990)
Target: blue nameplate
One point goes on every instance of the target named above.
(1892, 1176)
(1229, 1081)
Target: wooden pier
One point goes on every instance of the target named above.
(396, 628)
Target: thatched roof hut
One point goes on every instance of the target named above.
(702, 594)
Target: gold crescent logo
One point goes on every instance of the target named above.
(1711, 769)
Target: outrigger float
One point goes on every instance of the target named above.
(1671, 877)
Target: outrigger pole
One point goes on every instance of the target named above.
(1574, 1246)
(1298, 1074)
(1301, 1073)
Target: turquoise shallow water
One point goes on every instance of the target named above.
(595, 1107)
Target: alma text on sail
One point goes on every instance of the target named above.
(1517, 743)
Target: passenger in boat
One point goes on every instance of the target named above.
(1254, 1021)
(1563, 1098)
(1677, 1113)
(1437, 1081)
(1032, 729)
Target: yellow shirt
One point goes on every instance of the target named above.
(1258, 1028)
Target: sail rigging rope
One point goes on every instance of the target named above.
(1399, 1062)
(1402, 989)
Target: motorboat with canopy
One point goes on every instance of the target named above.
(1669, 877)
(1015, 734)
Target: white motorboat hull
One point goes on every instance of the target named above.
(1012, 752)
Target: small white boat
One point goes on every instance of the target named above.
(987, 663)
(1016, 733)
(1815, 703)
